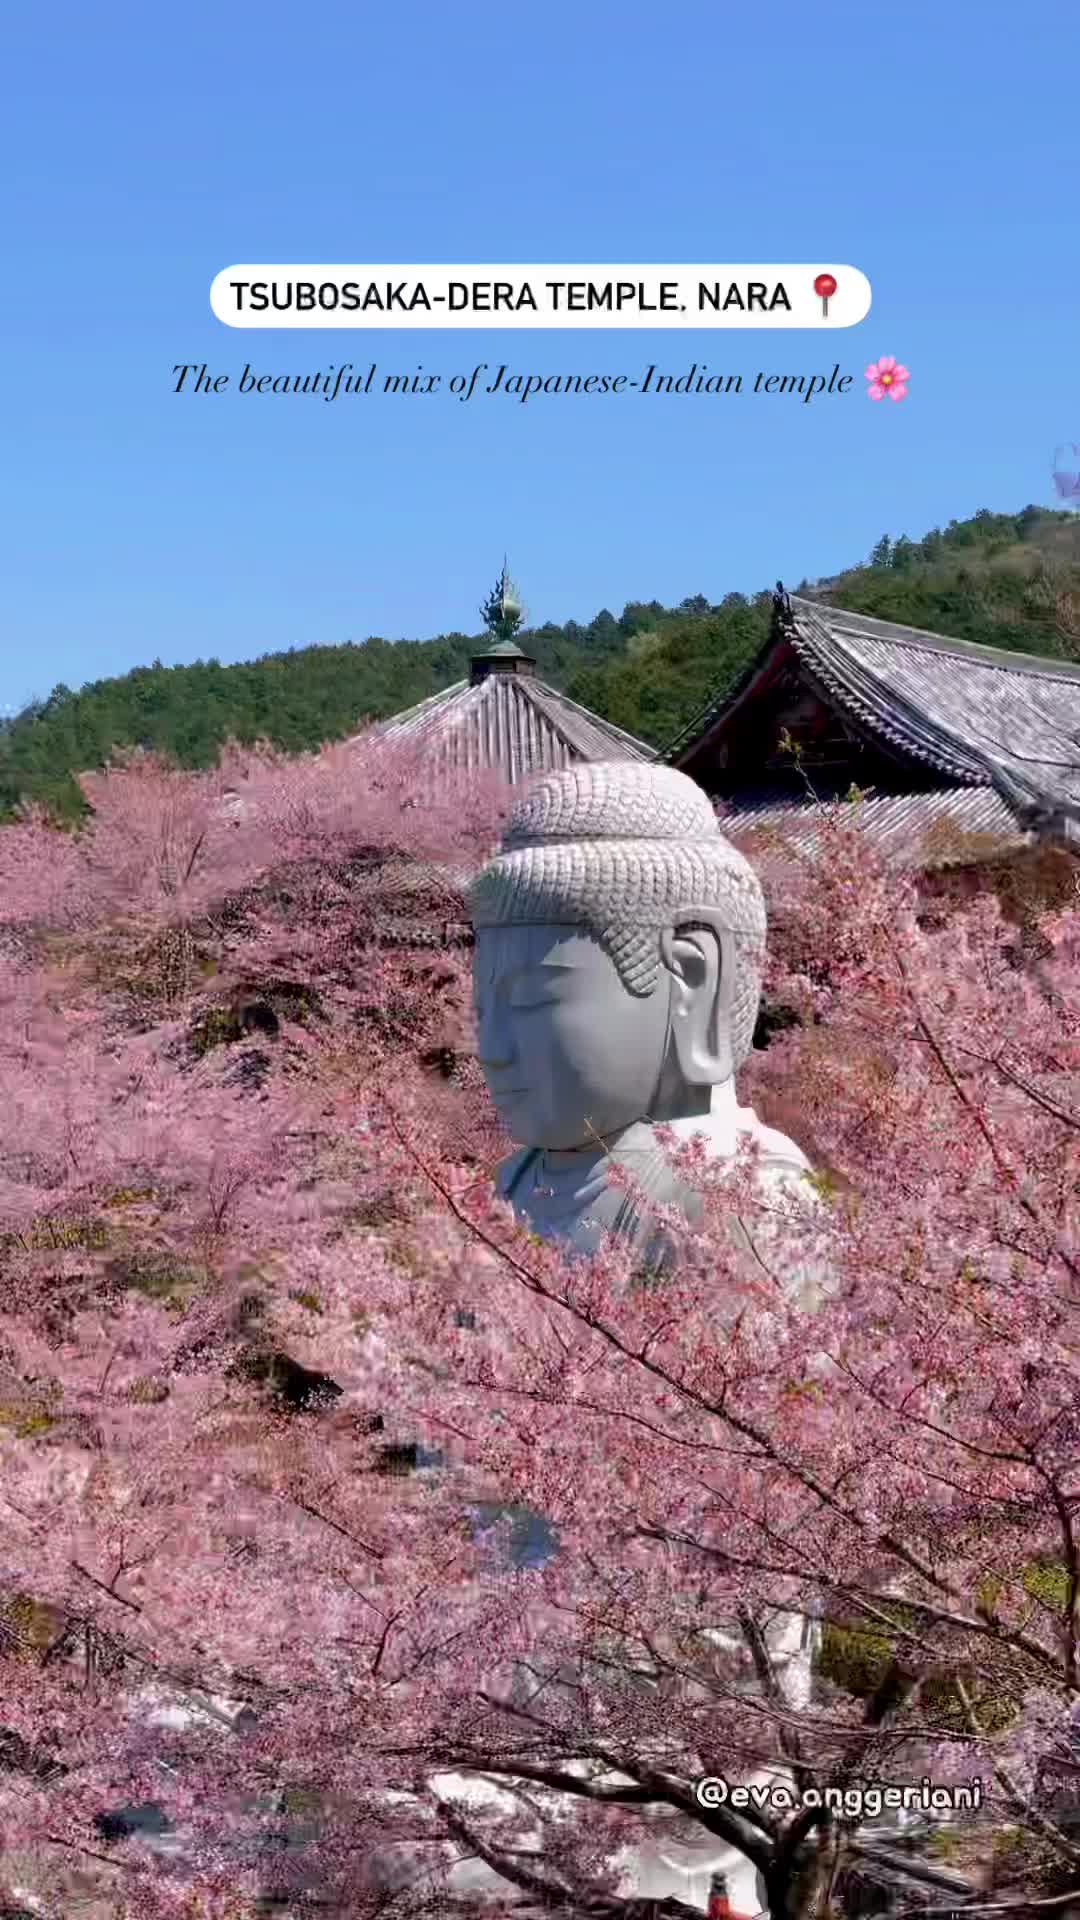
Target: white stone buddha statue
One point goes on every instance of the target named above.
(617, 977)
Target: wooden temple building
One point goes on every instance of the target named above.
(963, 752)
(967, 753)
(962, 756)
(504, 719)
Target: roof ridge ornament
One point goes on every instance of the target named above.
(782, 604)
(503, 612)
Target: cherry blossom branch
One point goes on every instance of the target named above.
(558, 1898)
(740, 1425)
(1045, 1903)
(1017, 1799)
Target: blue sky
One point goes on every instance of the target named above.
(930, 146)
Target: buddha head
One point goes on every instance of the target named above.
(617, 965)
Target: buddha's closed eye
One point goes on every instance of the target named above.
(519, 1006)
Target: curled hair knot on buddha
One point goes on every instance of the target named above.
(625, 850)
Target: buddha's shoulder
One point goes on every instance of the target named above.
(778, 1152)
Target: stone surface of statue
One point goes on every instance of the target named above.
(617, 977)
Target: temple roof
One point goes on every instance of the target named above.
(422, 903)
(974, 715)
(503, 650)
(511, 723)
(503, 719)
(949, 827)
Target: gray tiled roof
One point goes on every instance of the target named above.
(978, 716)
(511, 723)
(965, 710)
(949, 827)
(421, 903)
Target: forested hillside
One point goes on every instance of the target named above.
(1009, 580)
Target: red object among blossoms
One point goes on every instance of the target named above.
(720, 1907)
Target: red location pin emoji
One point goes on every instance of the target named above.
(824, 286)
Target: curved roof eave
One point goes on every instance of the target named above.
(878, 708)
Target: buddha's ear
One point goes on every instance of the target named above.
(699, 955)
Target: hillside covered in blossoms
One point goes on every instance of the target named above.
(329, 1490)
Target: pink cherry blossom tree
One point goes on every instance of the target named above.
(334, 1500)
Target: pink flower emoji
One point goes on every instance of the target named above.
(886, 376)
